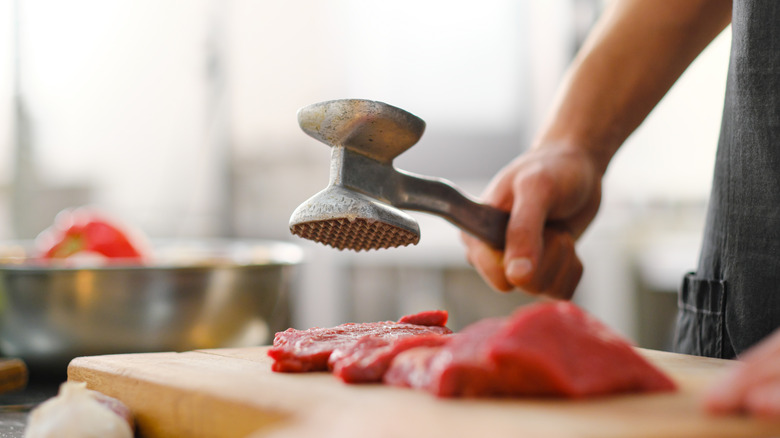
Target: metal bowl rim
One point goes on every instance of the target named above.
(280, 253)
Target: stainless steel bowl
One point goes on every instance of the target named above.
(193, 295)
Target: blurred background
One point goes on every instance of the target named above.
(180, 117)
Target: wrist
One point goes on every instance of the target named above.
(596, 154)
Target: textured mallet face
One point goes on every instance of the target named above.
(356, 234)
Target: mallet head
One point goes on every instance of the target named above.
(343, 217)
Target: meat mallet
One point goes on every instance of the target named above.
(360, 209)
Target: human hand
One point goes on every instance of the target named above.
(552, 193)
(753, 384)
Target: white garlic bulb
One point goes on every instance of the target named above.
(77, 412)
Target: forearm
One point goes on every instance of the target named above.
(634, 55)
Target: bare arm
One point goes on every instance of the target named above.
(633, 56)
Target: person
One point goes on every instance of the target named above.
(730, 306)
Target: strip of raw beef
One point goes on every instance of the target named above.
(429, 317)
(367, 360)
(412, 368)
(548, 349)
(424, 368)
(308, 350)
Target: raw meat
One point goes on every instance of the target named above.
(368, 359)
(429, 317)
(549, 349)
(467, 349)
(308, 350)
(412, 368)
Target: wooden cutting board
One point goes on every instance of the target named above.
(229, 393)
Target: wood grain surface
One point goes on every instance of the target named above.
(228, 393)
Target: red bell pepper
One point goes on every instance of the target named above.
(88, 232)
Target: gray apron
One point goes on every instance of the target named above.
(732, 301)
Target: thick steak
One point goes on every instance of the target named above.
(548, 349)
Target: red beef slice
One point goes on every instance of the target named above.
(463, 362)
(412, 368)
(308, 350)
(368, 359)
(429, 317)
(549, 349)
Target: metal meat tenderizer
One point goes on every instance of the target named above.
(361, 207)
